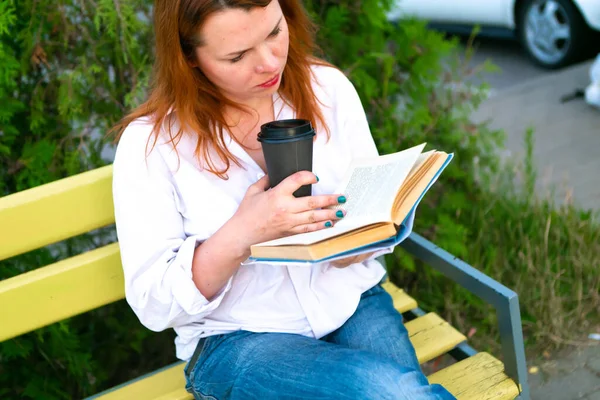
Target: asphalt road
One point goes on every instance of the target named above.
(514, 64)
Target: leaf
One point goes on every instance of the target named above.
(16, 348)
(406, 261)
(38, 387)
(5, 150)
(7, 16)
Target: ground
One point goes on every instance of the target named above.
(574, 374)
(567, 134)
(567, 140)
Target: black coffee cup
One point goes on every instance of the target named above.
(288, 148)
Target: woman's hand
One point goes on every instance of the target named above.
(267, 214)
(345, 262)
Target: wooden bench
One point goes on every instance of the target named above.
(83, 203)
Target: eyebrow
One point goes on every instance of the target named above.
(243, 51)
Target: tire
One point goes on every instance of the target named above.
(558, 18)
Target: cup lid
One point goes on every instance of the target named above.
(285, 128)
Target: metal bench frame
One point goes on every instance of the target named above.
(504, 300)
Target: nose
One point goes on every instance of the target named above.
(267, 60)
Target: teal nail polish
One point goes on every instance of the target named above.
(328, 224)
(339, 214)
(317, 178)
(342, 199)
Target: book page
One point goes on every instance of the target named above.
(420, 161)
(370, 186)
(366, 192)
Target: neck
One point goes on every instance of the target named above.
(255, 111)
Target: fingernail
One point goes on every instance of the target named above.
(341, 199)
(317, 178)
(339, 214)
(328, 224)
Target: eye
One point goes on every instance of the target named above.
(238, 58)
(275, 32)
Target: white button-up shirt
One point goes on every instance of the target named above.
(166, 204)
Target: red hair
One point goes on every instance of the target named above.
(197, 101)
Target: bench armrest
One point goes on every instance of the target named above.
(503, 299)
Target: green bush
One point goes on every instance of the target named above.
(70, 69)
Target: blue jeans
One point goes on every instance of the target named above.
(369, 357)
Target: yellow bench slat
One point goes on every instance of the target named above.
(480, 377)
(165, 384)
(61, 290)
(180, 394)
(402, 301)
(49, 213)
(432, 336)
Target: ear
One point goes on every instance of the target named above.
(191, 60)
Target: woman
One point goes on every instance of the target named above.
(191, 197)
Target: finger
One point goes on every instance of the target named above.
(348, 260)
(341, 263)
(317, 226)
(345, 262)
(260, 186)
(316, 216)
(316, 202)
(293, 182)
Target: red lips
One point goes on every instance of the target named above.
(270, 83)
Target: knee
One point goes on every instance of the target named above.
(382, 379)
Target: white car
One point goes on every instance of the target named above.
(554, 32)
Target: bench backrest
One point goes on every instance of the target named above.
(48, 214)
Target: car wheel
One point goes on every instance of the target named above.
(551, 31)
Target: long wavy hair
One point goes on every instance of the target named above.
(198, 103)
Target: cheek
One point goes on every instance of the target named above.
(283, 46)
(232, 78)
(218, 73)
(208, 68)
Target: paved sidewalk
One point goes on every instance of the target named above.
(567, 135)
(574, 376)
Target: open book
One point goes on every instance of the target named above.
(382, 194)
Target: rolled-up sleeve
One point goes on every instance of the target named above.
(156, 253)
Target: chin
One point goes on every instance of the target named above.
(273, 89)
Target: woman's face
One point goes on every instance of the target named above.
(244, 52)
